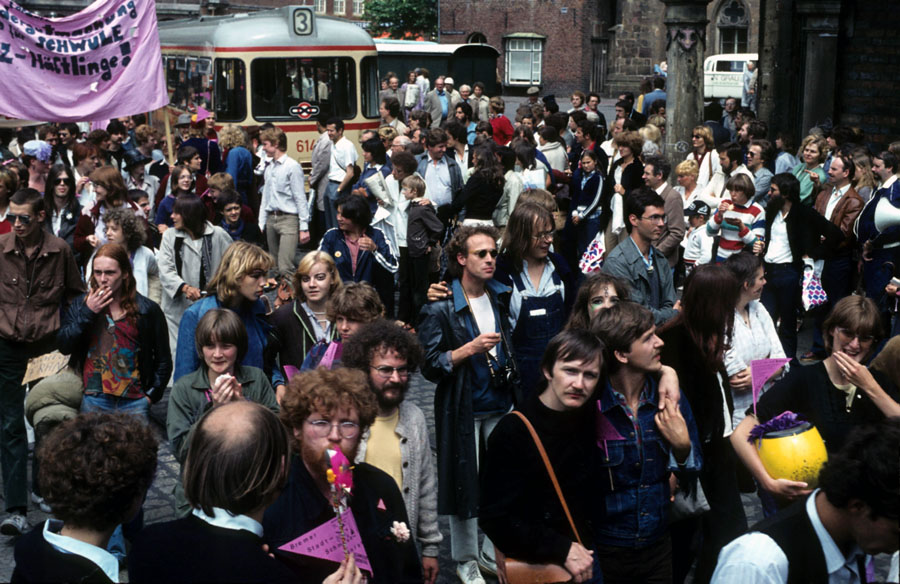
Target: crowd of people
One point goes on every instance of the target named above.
(589, 316)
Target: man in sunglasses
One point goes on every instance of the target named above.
(327, 411)
(467, 353)
(39, 275)
(397, 441)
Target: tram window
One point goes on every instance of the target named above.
(188, 81)
(231, 94)
(278, 85)
(370, 87)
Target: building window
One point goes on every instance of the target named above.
(358, 6)
(477, 38)
(523, 61)
(320, 7)
(733, 24)
(340, 7)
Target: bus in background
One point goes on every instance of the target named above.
(286, 66)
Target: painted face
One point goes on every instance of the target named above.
(107, 274)
(251, 285)
(601, 299)
(480, 261)
(316, 285)
(570, 384)
(347, 327)
(219, 357)
(114, 233)
(388, 378)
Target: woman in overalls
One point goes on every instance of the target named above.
(542, 288)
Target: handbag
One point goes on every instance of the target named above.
(812, 293)
(687, 505)
(592, 260)
(521, 572)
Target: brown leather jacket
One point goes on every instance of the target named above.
(32, 313)
(844, 215)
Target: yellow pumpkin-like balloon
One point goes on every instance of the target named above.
(796, 454)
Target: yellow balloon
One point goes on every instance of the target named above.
(796, 454)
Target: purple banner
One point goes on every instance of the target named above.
(101, 63)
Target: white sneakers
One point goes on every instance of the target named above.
(469, 573)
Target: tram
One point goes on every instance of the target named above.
(465, 63)
(286, 66)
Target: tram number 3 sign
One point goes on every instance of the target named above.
(303, 21)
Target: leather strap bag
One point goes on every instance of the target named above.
(519, 572)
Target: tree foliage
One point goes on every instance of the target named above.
(402, 18)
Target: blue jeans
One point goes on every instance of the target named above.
(331, 198)
(781, 297)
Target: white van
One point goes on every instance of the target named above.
(723, 75)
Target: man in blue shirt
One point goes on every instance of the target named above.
(638, 447)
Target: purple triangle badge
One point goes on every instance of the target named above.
(605, 432)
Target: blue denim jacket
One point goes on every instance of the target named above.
(633, 473)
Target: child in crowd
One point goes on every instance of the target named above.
(423, 233)
(698, 243)
(231, 217)
(740, 222)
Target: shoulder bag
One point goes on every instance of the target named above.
(519, 572)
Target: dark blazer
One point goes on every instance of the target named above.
(809, 233)
(38, 561)
(192, 550)
(154, 358)
(632, 175)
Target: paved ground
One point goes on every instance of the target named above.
(159, 505)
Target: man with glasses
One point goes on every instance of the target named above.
(467, 353)
(39, 275)
(328, 410)
(656, 176)
(397, 441)
(643, 266)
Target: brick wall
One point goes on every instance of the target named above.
(567, 26)
(868, 94)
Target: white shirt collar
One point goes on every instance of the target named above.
(226, 520)
(891, 180)
(834, 559)
(69, 545)
(659, 190)
(837, 193)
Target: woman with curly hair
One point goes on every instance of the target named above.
(238, 159)
(87, 505)
(111, 193)
(126, 229)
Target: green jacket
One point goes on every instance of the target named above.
(190, 399)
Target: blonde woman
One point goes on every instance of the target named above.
(704, 154)
(298, 325)
(813, 151)
(864, 179)
(686, 174)
(238, 160)
(237, 285)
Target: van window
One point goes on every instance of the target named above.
(279, 84)
(730, 66)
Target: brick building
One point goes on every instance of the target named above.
(602, 45)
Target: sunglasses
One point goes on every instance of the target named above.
(23, 219)
(483, 252)
(60, 181)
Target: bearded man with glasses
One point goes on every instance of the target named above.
(328, 410)
(397, 442)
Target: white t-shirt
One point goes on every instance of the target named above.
(343, 154)
(484, 316)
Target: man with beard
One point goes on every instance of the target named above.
(397, 442)
(329, 410)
